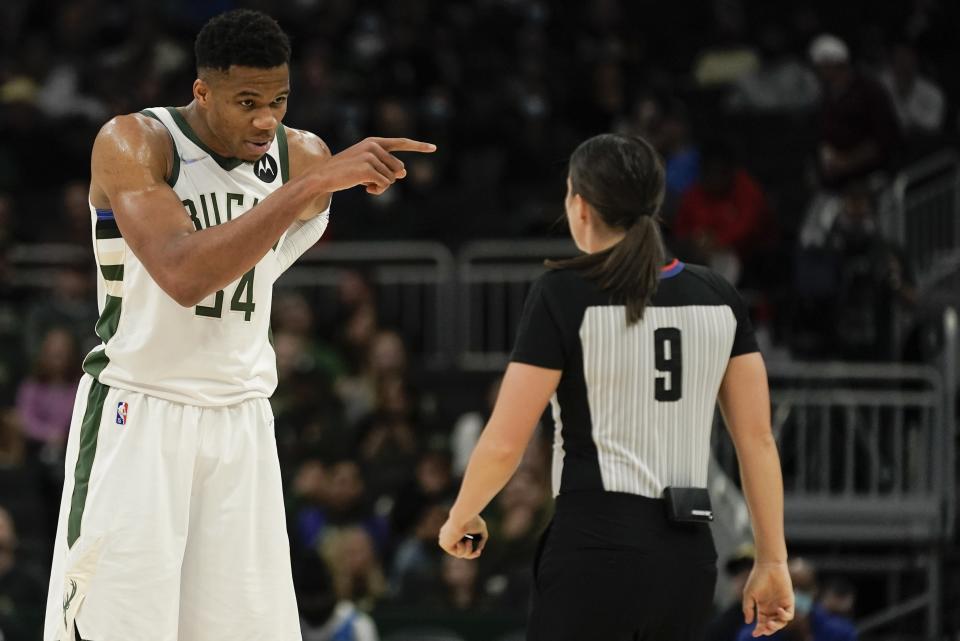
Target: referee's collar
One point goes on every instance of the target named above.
(671, 269)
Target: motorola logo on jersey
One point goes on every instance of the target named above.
(266, 168)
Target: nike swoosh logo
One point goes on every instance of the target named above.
(190, 161)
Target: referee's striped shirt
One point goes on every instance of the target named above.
(635, 404)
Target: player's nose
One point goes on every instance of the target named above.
(265, 121)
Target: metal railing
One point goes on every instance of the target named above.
(867, 449)
(493, 278)
(862, 448)
(926, 215)
(414, 284)
(868, 458)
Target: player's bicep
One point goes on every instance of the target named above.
(128, 167)
(305, 150)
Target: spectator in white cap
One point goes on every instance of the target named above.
(858, 127)
(858, 133)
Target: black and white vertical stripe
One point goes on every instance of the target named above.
(643, 444)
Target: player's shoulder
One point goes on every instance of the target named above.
(304, 148)
(305, 142)
(136, 127)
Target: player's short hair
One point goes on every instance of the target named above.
(241, 37)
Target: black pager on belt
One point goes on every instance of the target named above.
(688, 504)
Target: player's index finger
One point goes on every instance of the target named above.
(405, 144)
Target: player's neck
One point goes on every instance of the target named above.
(194, 117)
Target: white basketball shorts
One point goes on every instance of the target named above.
(172, 524)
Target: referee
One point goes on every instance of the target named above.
(633, 353)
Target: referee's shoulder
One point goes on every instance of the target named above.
(561, 279)
(712, 280)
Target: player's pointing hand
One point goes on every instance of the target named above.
(370, 163)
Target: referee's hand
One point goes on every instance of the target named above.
(769, 591)
(452, 538)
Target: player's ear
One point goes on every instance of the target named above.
(201, 91)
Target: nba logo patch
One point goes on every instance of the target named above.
(121, 413)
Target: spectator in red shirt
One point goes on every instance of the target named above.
(722, 216)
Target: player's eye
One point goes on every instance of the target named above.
(246, 104)
(280, 100)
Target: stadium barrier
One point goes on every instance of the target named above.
(413, 283)
(925, 217)
(493, 278)
(866, 448)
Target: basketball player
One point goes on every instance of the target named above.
(632, 352)
(172, 520)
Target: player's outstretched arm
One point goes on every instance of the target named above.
(745, 402)
(131, 156)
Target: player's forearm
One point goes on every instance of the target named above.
(491, 466)
(205, 261)
(763, 488)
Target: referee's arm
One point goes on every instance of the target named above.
(745, 402)
(524, 394)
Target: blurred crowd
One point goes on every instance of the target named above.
(781, 124)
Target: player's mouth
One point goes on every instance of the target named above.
(256, 147)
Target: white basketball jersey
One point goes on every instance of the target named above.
(217, 352)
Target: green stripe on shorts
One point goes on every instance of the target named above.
(89, 430)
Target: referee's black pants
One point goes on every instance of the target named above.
(612, 567)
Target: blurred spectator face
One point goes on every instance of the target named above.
(6, 218)
(316, 71)
(673, 134)
(387, 353)
(855, 224)
(857, 205)
(904, 67)
(11, 438)
(838, 597)
(73, 283)
(361, 326)
(804, 581)
(8, 541)
(356, 552)
(393, 397)
(608, 88)
(292, 313)
(772, 41)
(717, 177)
(834, 76)
(311, 481)
(58, 355)
(289, 349)
(76, 206)
(421, 174)
(394, 119)
(523, 491)
(458, 574)
(353, 290)
(831, 59)
(433, 472)
(432, 519)
(345, 486)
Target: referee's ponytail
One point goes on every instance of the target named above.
(622, 178)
